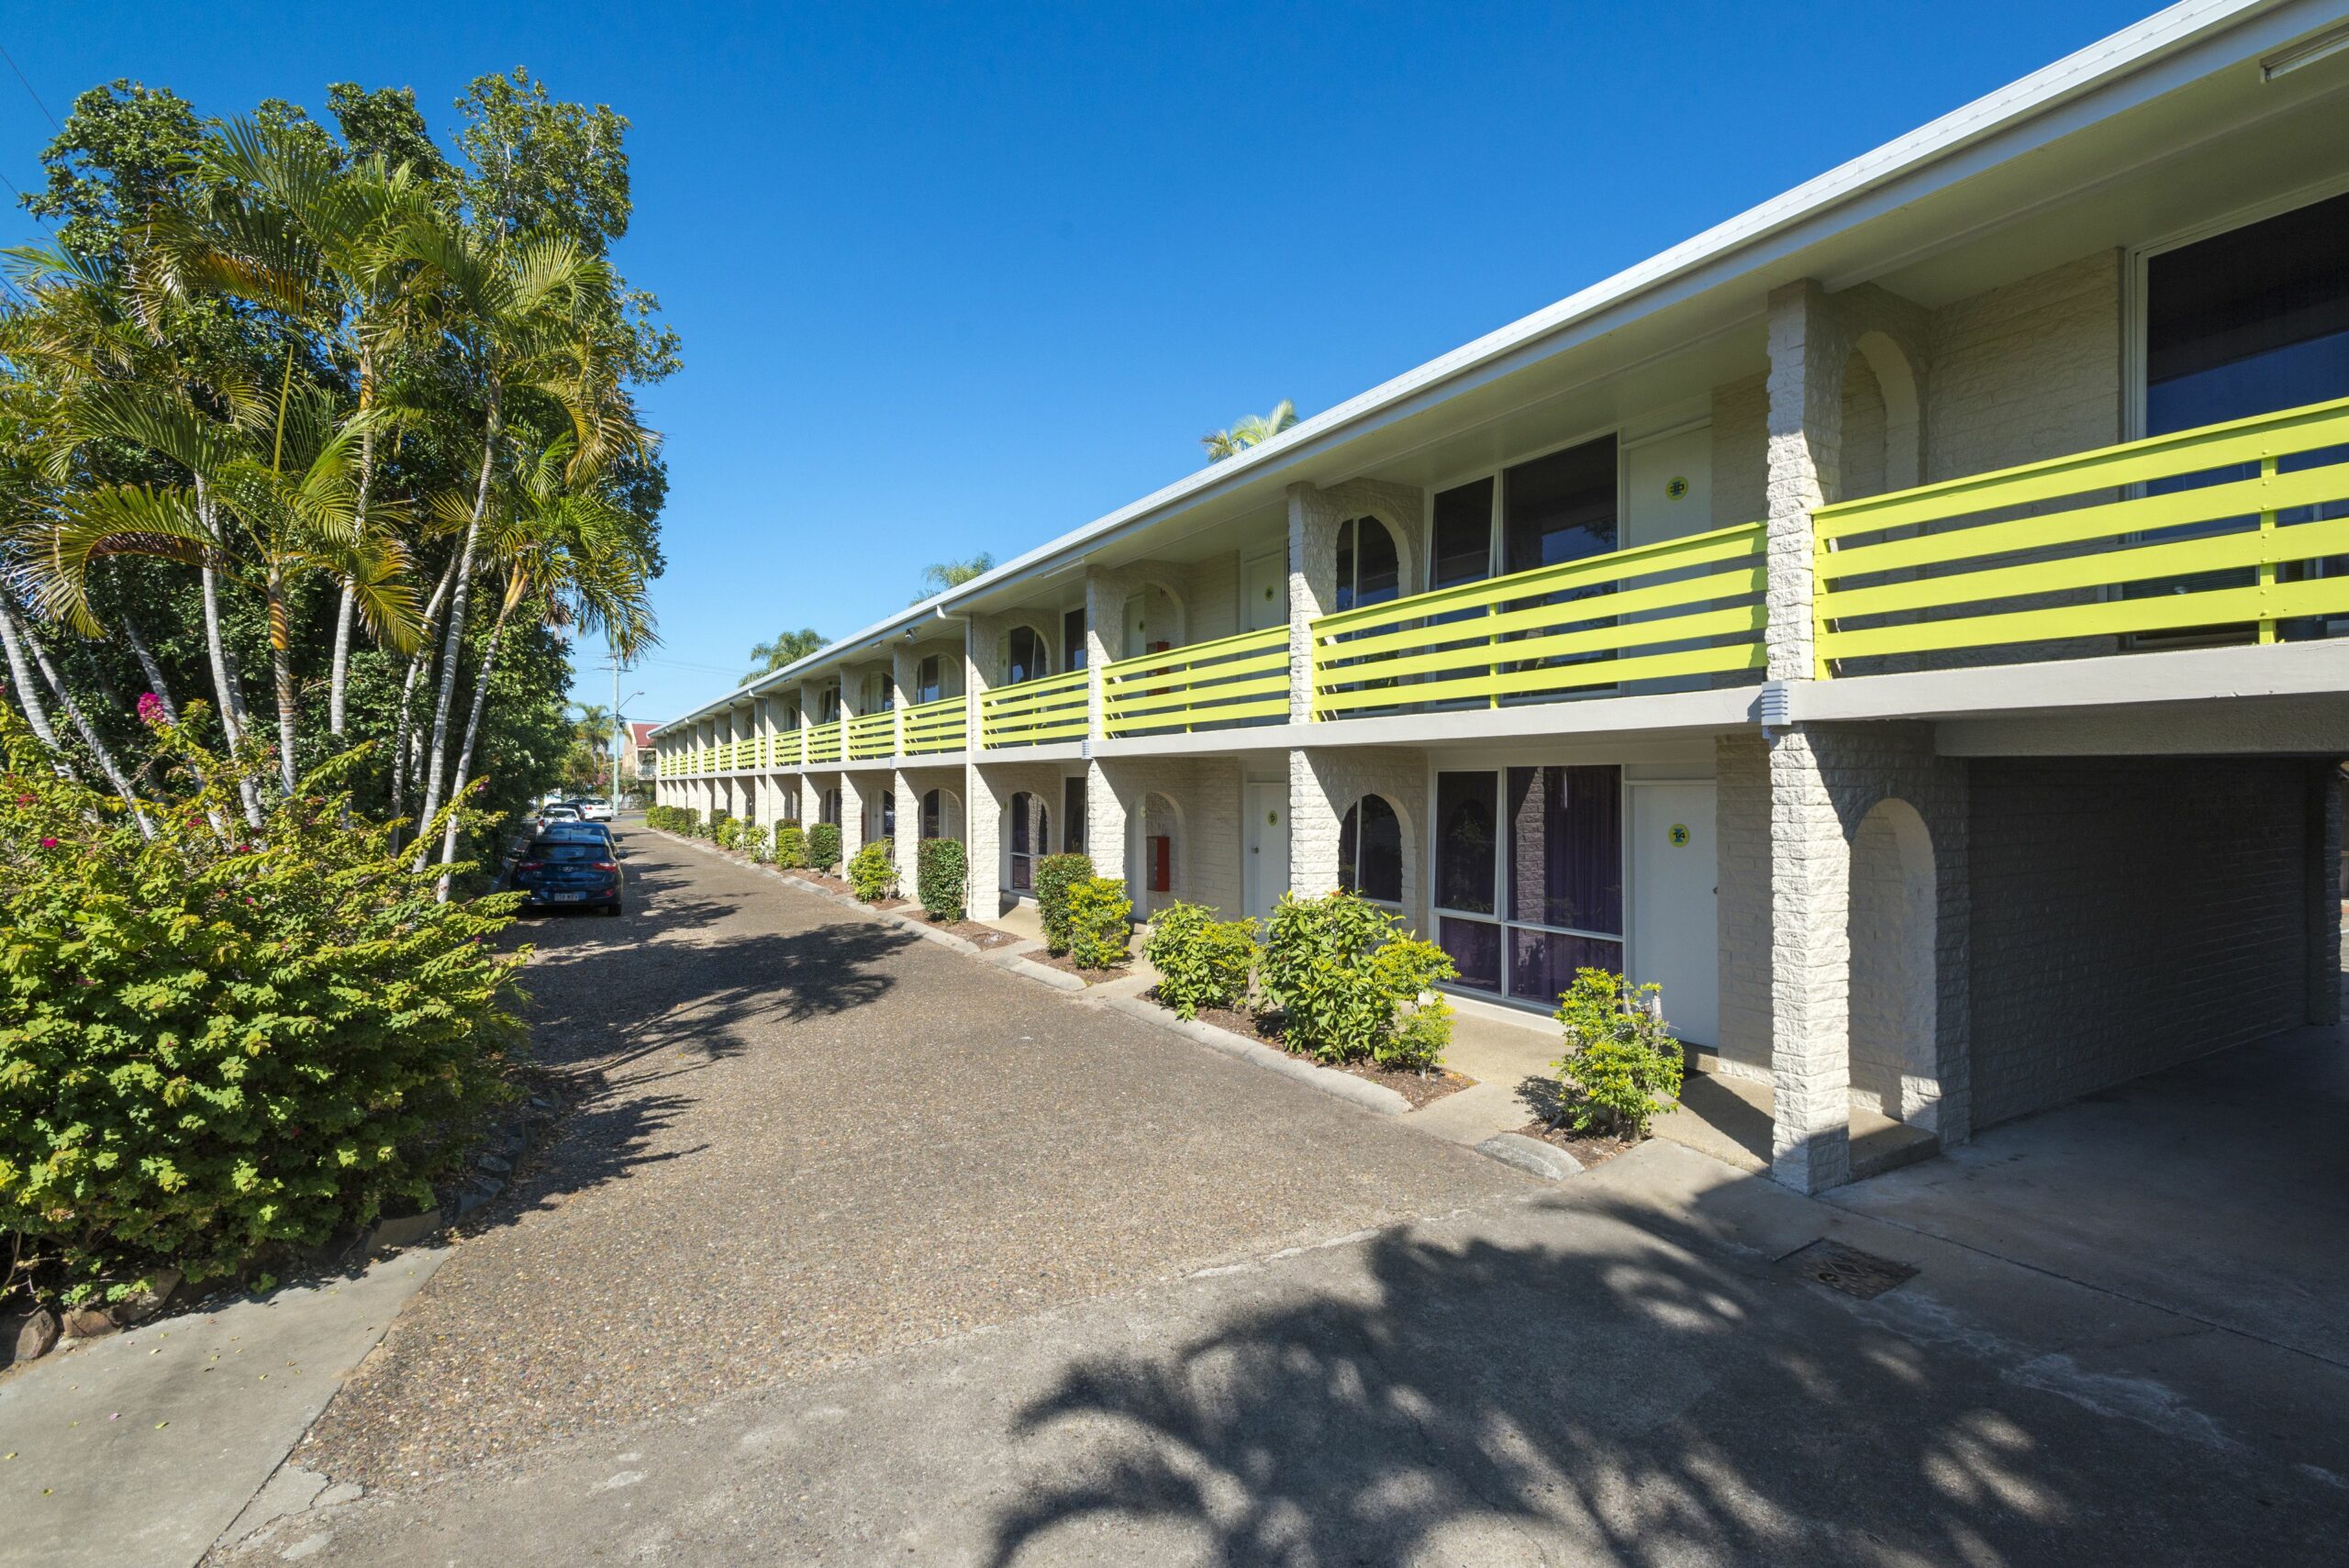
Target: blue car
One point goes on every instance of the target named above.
(562, 869)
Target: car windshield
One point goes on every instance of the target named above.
(564, 850)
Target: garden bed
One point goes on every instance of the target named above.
(1420, 1088)
(971, 932)
(1068, 965)
(1589, 1147)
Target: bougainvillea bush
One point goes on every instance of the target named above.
(222, 1043)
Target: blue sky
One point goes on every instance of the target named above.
(955, 279)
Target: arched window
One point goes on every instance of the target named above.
(830, 708)
(934, 813)
(832, 806)
(888, 814)
(1370, 569)
(1029, 658)
(1370, 851)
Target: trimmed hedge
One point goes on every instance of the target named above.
(873, 870)
(1342, 971)
(1201, 962)
(1100, 922)
(790, 846)
(943, 872)
(1055, 875)
(823, 846)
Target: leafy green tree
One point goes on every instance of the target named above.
(1248, 432)
(788, 648)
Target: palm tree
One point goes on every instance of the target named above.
(513, 316)
(1249, 432)
(570, 556)
(938, 576)
(290, 512)
(322, 246)
(788, 648)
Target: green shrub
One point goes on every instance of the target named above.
(943, 874)
(1622, 1063)
(1201, 962)
(823, 846)
(790, 846)
(1100, 922)
(1055, 875)
(715, 829)
(873, 871)
(217, 1046)
(726, 833)
(1339, 968)
(758, 843)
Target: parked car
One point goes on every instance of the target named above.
(568, 868)
(560, 811)
(586, 832)
(594, 811)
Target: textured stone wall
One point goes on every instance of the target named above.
(1324, 782)
(1740, 451)
(1205, 798)
(2028, 371)
(1741, 821)
(1824, 782)
(2130, 913)
(987, 792)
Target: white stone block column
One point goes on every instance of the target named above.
(852, 820)
(907, 842)
(1315, 818)
(982, 841)
(1313, 520)
(1112, 792)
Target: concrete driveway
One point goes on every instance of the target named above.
(2217, 1190)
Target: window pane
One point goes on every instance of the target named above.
(1020, 842)
(1072, 640)
(1073, 813)
(1462, 552)
(1027, 650)
(2249, 321)
(1349, 848)
(934, 813)
(1381, 871)
(1378, 571)
(1541, 965)
(1464, 814)
(926, 687)
(1565, 861)
(1346, 564)
(1474, 947)
(1560, 507)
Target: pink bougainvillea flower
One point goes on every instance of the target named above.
(49, 844)
(151, 710)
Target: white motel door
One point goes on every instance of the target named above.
(1263, 592)
(1676, 872)
(1267, 873)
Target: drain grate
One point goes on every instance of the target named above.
(1847, 1269)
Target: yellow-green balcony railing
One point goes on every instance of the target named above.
(824, 742)
(872, 736)
(2228, 532)
(1232, 679)
(940, 725)
(1051, 708)
(1660, 613)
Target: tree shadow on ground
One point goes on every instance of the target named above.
(1646, 1397)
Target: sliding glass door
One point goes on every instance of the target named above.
(1529, 883)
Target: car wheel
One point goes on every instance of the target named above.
(613, 907)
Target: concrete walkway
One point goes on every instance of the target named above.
(142, 1447)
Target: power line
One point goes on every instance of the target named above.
(29, 88)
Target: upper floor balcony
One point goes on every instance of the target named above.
(2226, 535)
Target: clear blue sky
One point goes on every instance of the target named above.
(960, 279)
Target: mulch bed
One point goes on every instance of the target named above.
(971, 932)
(828, 884)
(1590, 1147)
(1420, 1088)
(1068, 965)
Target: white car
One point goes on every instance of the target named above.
(594, 811)
(560, 811)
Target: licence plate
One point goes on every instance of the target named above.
(565, 897)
